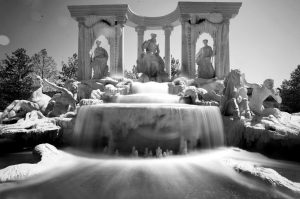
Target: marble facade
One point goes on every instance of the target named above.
(195, 18)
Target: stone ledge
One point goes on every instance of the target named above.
(29, 133)
(266, 175)
(265, 135)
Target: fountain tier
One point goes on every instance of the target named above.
(121, 126)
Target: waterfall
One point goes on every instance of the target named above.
(120, 126)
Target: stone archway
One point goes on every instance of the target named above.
(199, 44)
(106, 46)
(90, 27)
(219, 30)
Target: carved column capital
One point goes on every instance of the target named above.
(185, 18)
(168, 30)
(121, 20)
(81, 21)
(140, 29)
(226, 20)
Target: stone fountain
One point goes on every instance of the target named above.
(104, 118)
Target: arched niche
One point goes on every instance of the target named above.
(199, 44)
(104, 44)
(90, 28)
(219, 33)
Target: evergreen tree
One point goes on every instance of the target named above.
(69, 70)
(133, 74)
(15, 81)
(290, 91)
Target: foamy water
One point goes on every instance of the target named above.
(143, 123)
(196, 175)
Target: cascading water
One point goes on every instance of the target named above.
(203, 174)
(153, 120)
(148, 124)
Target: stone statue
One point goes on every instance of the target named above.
(203, 60)
(64, 101)
(198, 96)
(259, 94)
(99, 58)
(213, 87)
(235, 101)
(37, 101)
(150, 63)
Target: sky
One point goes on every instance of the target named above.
(264, 36)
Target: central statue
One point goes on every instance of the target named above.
(149, 63)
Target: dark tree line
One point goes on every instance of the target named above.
(15, 82)
(290, 91)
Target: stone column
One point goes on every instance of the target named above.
(81, 69)
(226, 62)
(116, 51)
(120, 28)
(120, 66)
(222, 64)
(84, 45)
(140, 32)
(111, 42)
(168, 30)
(192, 51)
(184, 47)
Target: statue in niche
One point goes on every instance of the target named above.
(203, 60)
(150, 64)
(99, 58)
